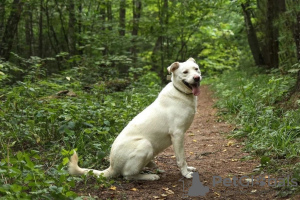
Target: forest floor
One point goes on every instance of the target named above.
(207, 148)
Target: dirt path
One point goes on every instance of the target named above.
(210, 152)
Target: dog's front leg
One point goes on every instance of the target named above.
(178, 144)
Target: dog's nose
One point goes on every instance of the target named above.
(196, 78)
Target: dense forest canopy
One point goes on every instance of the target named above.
(59, 35)
(74, 72)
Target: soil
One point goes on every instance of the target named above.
(208, 149)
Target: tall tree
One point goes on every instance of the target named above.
(158, 52)
(109, 14)
(274, 7)
(252, 37)
(52, 37)
(71, 29)
(297, 41)
(122, 18)
(136, 10)
(2, 16)
(11, 29)
(29, 30)
(63, 29)
(41, 48)
(80, 27)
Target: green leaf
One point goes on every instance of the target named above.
(65, 161)
(28, 161)
(16, 188)
(71, 194)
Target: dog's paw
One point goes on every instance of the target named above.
(154, 177)
(189, 175)
(191, 169)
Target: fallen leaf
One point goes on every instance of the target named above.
(173, 156)
(169, 192)
(156, 197)
(164, 195)
(194, 140)
(134, 189)
(174, 186)
(210, 145)
(224, 150)
(234, 160)
(252, 191)
(113, 188)
(164, 188)
(230, 143)
(217, 194)
(192, 134)
(68, 78)
(191, 152)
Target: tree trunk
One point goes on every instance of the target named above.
(71, 30)
(55, 47)
(2, 16)
(158, 52)
(252, 37)
(109, 15)
(80, 28)
(102, 15)
(28, 33)
(136, 8)
(122, 19)
(62, 24)
(297, 41)
(11, 29)
(274, 7)
(41, 49)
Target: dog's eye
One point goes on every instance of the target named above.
(196, 69)
(185, 72)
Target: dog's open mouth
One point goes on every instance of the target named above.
(194, 87)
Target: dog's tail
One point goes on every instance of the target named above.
(74, 169)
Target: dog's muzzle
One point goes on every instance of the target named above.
(195, 87)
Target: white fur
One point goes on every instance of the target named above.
(161, 124)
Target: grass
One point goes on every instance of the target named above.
(255, 101)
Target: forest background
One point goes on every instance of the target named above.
(74, 73)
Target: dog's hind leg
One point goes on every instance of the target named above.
(138, 159)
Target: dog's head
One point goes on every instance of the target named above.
(186, 76)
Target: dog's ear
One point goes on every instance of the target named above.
(173, 67)
(192, 59)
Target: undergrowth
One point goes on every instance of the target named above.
(40, 127)
(255, 101)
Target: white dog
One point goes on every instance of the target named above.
(161, 124)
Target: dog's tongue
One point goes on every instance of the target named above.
(196, 90)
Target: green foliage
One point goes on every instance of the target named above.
(255, 102)
(39, 128)
(25, 178)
